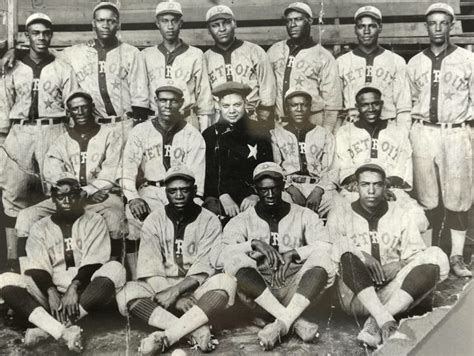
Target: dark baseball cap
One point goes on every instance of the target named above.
(232, 88)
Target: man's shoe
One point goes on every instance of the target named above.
(370, 334)
(154, 343)
(306, 330)
(458, 267)
(388, 329)
(271, 334)
(33, 336)
(202, 338)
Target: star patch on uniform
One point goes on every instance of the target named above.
(252, 151)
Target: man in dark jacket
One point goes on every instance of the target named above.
(235, 145)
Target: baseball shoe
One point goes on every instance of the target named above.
(72, 337)
(33, 336)
(271, 334)
(370, 334)
(156, 342)
(202, 338)
(458, 267)
(388, 329)
(307, 331)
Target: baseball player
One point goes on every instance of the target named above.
(174, 269)
(68, 273)
(234, 60)
(234, 147)
(305, 152)
(36, 89)
(302, 62)
(174, 59)
(386, 268)
(89, 153)
(280, 255)
(371, 65)
(371, 139)
(442, 87)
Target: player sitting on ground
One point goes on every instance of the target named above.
(174, 268)
(305, 152)
(281, 256)
(68, 272)
(386, 268)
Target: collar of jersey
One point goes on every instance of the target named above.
(172, 131)
(75, 135)
(450, 49)
(190, 213)
(371, 129)
(376, 215)
(180, 49)
(236, 44)
(308, 43)
(305, 128)
(272, 213)
(44, 62)
(98, 46)
(376, 52)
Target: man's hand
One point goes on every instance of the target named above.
(139, 208)
(280, 274)
(168, 297)
(183, 304)
(375, 269)
(272, 256)
(390, 195)
(314, 199)
(328, 202)
(351, 187)
(9, 59)
(230, 207)
(70, 301)
(55, 305)
(98, 197)
(391, 269)
(249, 201)
(296, 195)
(3, 137)
(264, 114)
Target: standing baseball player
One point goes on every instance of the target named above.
(280, 255)
(371, 65)
(305, 152)
(174, 270)
(36, 89)
(174, 59)
(234, 60)
(386, 268)
(89, 153)
(235, 145)
(303, 63)
(68, 272)
(442, 86)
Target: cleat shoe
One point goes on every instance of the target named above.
(307, 331)
(458, 267)
(370, 334)
(388, 329)
(202, 338)
(33, 336)
(271, 334)
(72, 337)
(156, 342)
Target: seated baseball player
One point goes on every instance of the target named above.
(386, 268)
(174, 270)
(68, 272)
(281, 256)
(372, 139)
(89, 153)
(305, 152)
(234, 147)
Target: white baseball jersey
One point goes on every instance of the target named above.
(358, 143)
(442, 86)
(93, 159)
(61, 249)
(382, 69)
(172, 249)
(154, 151)
(311, 67)
(186, 67)
(114, 77)
(247, 63)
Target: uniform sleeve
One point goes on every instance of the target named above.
(342, 161)
(403, 172)
(55, 164)
(7, 98)
(70, 83)
(328, 174)
(277, 157)
(411, 74)
(330, 90)
(196, 160)
(266, 79)
(402, 96)
(411, 241)
(150, 257)
(471, 84)
(132, 159)
(315, 233)
(204, 99)
(138, 81)
(37, 249)
(96, 240)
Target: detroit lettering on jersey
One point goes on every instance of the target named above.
(362, 146)
(168, 72)
(232, 73)
(368, 238)
(384, 76)
(159, 150)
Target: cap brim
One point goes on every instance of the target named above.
(264, 174)
(220, 16)
(297, 93)
(297, 9)
(370, 167)
(78, 94)
(181, 176)
(370, 14)
(39, 21)
(169, 88)
(171, 12)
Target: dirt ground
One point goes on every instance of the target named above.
(106, 333)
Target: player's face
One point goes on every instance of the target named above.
(67, 199)
(180, 193)
(369, 106)
(371, 189)
(222, 30)
(40, 36)
(232, 107)
(269, 190)
(367, 30)
(168, 104)
(439, 26)
(298, 108)
(297, 25)
(80, 110)
(105, 24)
(169, 26)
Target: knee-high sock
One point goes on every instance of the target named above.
(458, 239)
(151, 313)
(12, 243)
(98, 293)
(42, 319)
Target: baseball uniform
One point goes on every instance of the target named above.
(383, 69)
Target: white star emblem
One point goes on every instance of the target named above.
(252, 151)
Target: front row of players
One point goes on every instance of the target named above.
(276, 255)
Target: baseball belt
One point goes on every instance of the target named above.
(295, 178)
(445, 125)
(39, 122)
(113, 120)
(158, 183)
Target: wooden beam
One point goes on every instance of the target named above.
(12, 27)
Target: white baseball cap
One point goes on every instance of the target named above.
(294, 91)
(38, 17)
(169, 7)
(106, 5)
(441, 7)
(368, 10)
(180, 171)
(270, 169)
(219, 12)
(300, 7)
(169, 85)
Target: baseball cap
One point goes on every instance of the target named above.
(169, 7)
(293, 91)
(66, 179)
(370, 167)
(300, 7)
(106, 5)
(169, 85)
(440, 7)
(369, 89)
(267, 169)
(219, 12)
(180, 171)
(78, 93)
(368, 10)
(38, 17)
(231, 88)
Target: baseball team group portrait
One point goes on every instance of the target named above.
(185, 177)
